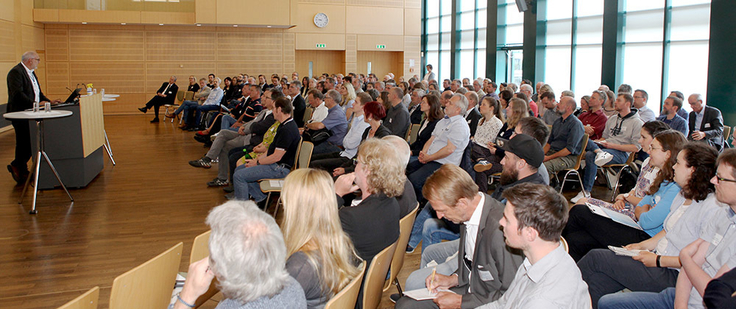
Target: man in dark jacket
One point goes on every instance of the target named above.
(165, 95)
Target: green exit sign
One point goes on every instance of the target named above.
(381, 46)
(321, 45)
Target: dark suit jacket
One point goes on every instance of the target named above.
(299, 108)
(20, 90)
(170, 93)
(416, 115)
(372, 225)
(712, 126)
(494, 263)
(473, 118)
(407, 200)
(423, 137)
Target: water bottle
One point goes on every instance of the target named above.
(47, 107)
(35, 107)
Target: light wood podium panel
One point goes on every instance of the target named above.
(93, 124)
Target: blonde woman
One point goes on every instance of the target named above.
(348, 98)
(321, 255)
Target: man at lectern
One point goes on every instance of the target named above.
(23, 90)
(165, 95)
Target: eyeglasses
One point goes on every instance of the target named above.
(721, 179)
(653, 148)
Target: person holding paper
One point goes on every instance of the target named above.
(485, 264)
(532, 221)
(586, 231)
(656, 268)
(708, 257)
(626, 202)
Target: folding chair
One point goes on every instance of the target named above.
(88, 300)
(397, 262)
(611, 168)
(574, 169)
(347, 297)
(148, 285)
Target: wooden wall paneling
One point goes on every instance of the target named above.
(180, 46)
(412, 21)
(115, 77)
(289, 58)
(158, 72)
(308, 41)
(369, 42)
(204, 12)
(413, 4)
(324, 61)
(8, 41)
(250, 52)
(57, 44)
(26, 12)
(178, 18)
(8, 11)
(412, 45)
(46, 15)
(107, 17)
(272, 12)
(391, 20)
(57, 78)
(382, 62)
(381, 3)
(323, 1)
(106, 45)
(351, 53)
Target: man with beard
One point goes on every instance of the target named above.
(523, 157)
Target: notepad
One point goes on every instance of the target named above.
(276, 183)
(614, 215)
(624, 252)
(424, 294)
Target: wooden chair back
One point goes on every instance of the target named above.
(563, 242)
(726, 133)
(200, 250)
(180, 96)
(189, 95)
(88, 300)
(149, 285)
(411, 135)
(308, 113)
(305, 155)
(397, 262)
(376, 275)
(347, 297)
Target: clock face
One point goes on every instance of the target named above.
(321, 20)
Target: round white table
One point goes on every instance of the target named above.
(39, 117)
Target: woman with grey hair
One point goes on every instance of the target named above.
(248, 257)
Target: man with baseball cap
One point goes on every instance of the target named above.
(523, 157)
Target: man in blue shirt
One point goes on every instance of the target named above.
(564, 144)
(670, 109)
(335, 122)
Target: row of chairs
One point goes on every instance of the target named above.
(150, 284)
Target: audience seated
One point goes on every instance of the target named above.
(397, 115)
(566, 140)
(372, 112)
(670, 109)
(485, 264)
(491, 164)
(521, 162)
(551, 113)
(278, 160)
(486, 133)
(656, 268)
(415, 106)
(199, 97)
(548, 278)
(333, 160)
(472, 115)
(706, 122)
(586, 231)
(447, 144)
(321, 255)
(593, 118)
(708, 257)
(408, 199)
(164, 95)
(210, 104)
(640, 103)
(620, 137)
(333, 123)
(431, 108)
(248, 258)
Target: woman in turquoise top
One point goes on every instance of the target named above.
(586, 231)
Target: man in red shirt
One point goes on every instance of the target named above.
(594, 120)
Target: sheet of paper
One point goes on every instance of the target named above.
(276, 183)
(597, 210)
(423, 294)
(614, 215)
(624, 252)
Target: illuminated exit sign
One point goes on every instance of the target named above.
(321, 45)
(381, 46)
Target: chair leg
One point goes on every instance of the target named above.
(581, 184)
(615, 187)
(564, 179)
(398, 285)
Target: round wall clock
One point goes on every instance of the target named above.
(321, 20)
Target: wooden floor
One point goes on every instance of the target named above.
(130, 213)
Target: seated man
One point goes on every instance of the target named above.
(640, 103)
(533, 220)
(670, 115)
(620, 137)
(397, 117)
(278, 160)
(164, 95)
(227, 140)
(447, 144)
(565, 143)
(335, 122)
(295, 89)
(706, 122)
(199, 97)
(315, 98)
(485, 264)
(594, 120)
(551, 112)
(211, 103)
(249, 109)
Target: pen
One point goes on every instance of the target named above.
(431, 281)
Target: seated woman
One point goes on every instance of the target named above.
(655, 269)
(491, 164)
(432, 109)
(321, 256)
(486, 133)
(586, 231)
(373, 224)
(351, 141)
(625, 202)
(373, 113)
(247, 255)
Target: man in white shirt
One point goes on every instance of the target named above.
(447, 144)
(532, 221)
(640, 103)
(316, 100)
